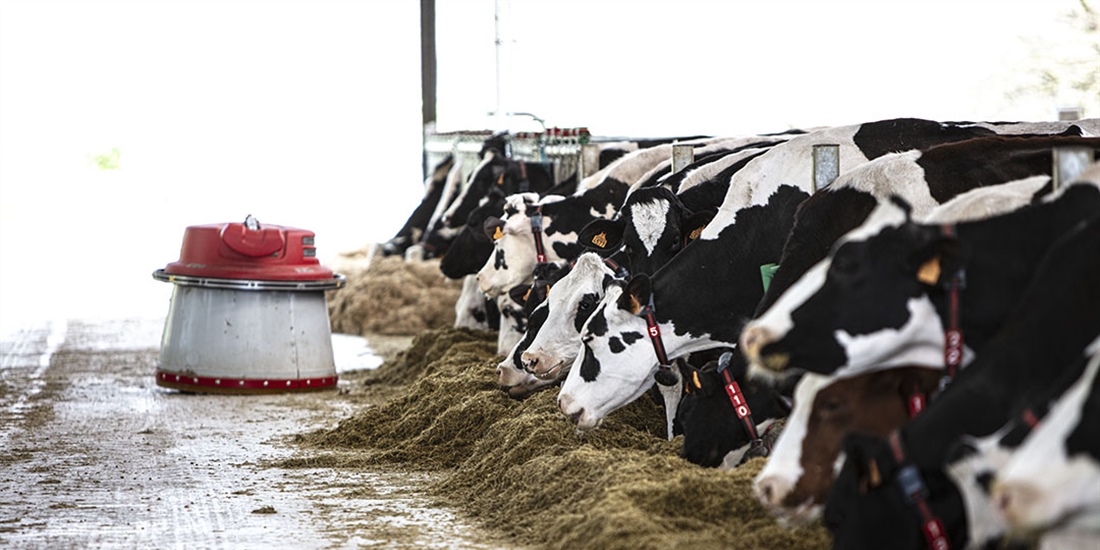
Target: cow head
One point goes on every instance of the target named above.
(714, 435)
(617, 362)
(801, 468)
(517, 382)
(864, 307)
(868, 508)
(652, 226)
(1050, 481)
(471, 247)
(554, 347)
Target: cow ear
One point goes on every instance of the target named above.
(493, 227)
(520, 294)
(863, 450)
(636, 294)
(695, 223)
(936, 257)
(602, 235)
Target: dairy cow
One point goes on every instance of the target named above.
(795, 481)
(1049, 483)
(721, 267)
(1052, 320)
(559, 219)
(417, 223)
(890, 291)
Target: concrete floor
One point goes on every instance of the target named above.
(94, 455)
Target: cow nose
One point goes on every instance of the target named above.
(1011, 499)
(753, 339)
(771, 490)
(564, 402)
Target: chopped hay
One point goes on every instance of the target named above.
(520, 468)
(389, 296)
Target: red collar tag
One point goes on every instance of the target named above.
(934, 534)
(916, 404)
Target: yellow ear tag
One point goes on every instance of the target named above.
(929, 272)
(500, 179)
(695, 234)
(498, 234)
(527, 294)
(635, 307)
(695, 378)
(876, 477)
(600, 239)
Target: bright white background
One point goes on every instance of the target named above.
(307, 113)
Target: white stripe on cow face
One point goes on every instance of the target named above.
(555, 345)
(983, 522)
(784, 466)
(649, 222)
(919, 343)
(1041, 485)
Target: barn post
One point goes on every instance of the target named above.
(682, 155)
(826, 159)
(588, 161)
(1069, 162)
(427, 76)
(1069, 114)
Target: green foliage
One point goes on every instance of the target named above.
(108, 161)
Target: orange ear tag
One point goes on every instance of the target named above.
(600, 239)
(695, 378)
(929, 272)
(498, 234)
(500, 180)
(635, 307)
(695, 234)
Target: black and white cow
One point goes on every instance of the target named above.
(824, 324)
(418, 221)
(893, 492)
(1049, 484)
(721, 267)
(515, 254)
(977, 464)
(831, 214)
(794, 482)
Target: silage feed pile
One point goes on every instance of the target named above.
(520, 468)
(389, 296)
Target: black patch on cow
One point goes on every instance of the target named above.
(616, 345)
(875, 139)
(534, 323)
(598, 325)
(590, 366)
(631, 337)
(953, 168)
(499, 263)
(585, 307)
(984, 481)
(818, 222)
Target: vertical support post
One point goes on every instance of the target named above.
(682, 155)
(427, 75)
(589, 161)
(1069, 162)
(826, 168)
(1069, 114)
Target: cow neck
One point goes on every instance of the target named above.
(664, 375)
(916, 493)
(757, 447)
(953, 336)
(536, 232)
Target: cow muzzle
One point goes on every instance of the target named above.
(753, 340)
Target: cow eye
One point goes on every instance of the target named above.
(586, 304)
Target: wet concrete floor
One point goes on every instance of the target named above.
(94, 455)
